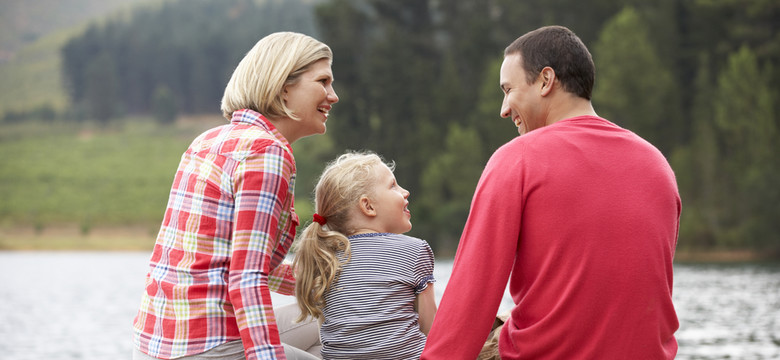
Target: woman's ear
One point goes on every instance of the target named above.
(366, 207)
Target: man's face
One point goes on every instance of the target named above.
(521, 99)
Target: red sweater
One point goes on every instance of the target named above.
(581, 217)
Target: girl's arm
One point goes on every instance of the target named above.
(426, 307)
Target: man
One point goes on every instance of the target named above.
(579, 215)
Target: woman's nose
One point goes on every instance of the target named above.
(332, 97)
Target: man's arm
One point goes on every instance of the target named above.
(482, 265)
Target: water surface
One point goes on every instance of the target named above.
(80, 305)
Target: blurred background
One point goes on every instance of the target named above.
(99, 98)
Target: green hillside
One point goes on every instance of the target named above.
(33, 78)
(117, 175)
(31, 35)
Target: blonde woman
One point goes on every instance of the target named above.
(230, 218)
(370, 286)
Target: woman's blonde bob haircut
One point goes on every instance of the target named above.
(275, 62)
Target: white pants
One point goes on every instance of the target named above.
(301, 341)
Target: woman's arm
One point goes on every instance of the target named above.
(261, 192)
(426, 307)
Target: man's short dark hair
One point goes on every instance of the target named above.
(561, 49)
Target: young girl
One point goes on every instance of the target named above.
(370, 287)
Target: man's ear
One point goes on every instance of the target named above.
(366, 207)
(548, 80)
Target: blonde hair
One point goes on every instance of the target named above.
(275, 62)
(324, 249)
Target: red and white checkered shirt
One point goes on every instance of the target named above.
(227, 228)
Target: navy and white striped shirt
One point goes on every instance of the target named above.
(369, 309)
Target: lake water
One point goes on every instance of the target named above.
(80, 305)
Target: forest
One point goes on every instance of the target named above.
(418, 84)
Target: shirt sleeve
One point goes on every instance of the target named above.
(282, 279)
(423, 268)
(262, 184)
(482, 265)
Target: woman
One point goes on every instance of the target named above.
(230, 218)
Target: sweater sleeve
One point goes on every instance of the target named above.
(483, 263)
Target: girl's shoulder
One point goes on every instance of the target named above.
(390, 239)
(408, 239)
(417, 245)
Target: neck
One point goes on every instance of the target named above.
(567, 106)
(286, 127)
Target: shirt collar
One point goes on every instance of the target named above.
(251, 117)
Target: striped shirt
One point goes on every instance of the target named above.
(226, 230)
(369, 311)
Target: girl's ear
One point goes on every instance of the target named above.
(366, 207)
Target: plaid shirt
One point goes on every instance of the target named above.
(227, 228)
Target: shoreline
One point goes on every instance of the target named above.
(141, 238)
(70, 238)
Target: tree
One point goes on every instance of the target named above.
(345, 28)
(190, 46)
(101, 87)
(448, 183)
(485, 118)
(697, 167)
(76, 55)
(165, 108)
(747, 128)
(633, 88)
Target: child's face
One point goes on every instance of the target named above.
(391, 203)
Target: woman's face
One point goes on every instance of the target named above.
(310, 99)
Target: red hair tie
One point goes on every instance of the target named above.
(319, 219)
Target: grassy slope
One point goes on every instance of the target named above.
(64, 173)
(32, 78)
(79, 186)
(31, 35)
